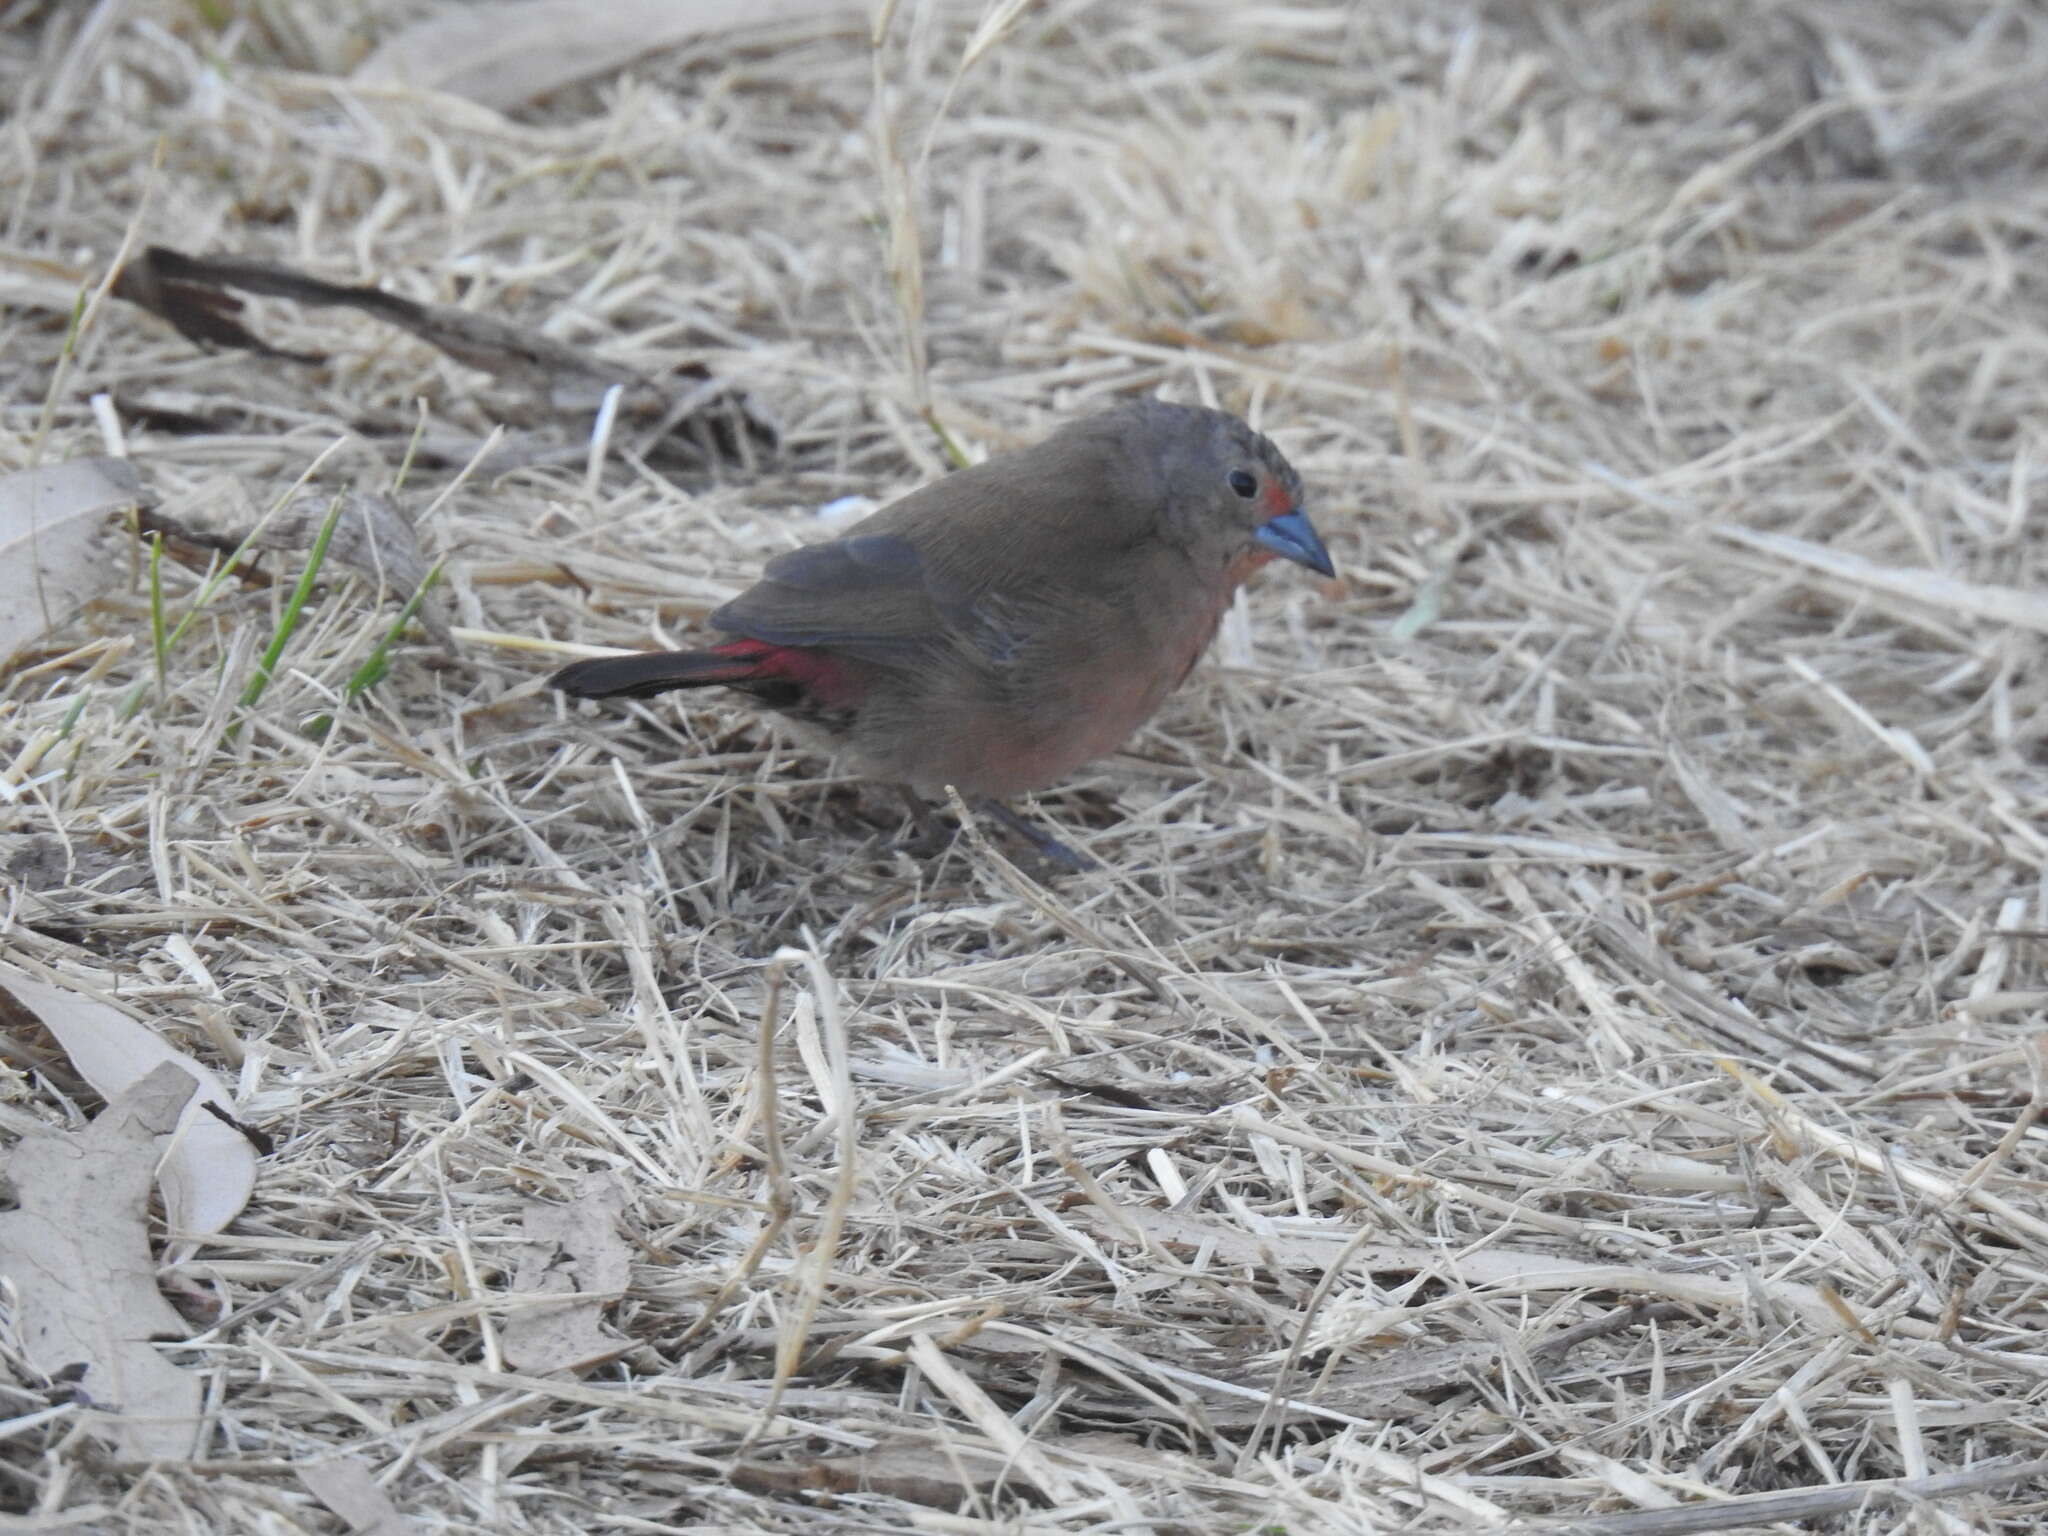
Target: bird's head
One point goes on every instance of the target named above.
(1232, 499)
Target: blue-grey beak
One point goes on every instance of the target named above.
(1292, 537)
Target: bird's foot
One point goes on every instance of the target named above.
(933, 836)
(1048, 847)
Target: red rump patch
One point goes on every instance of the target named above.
(823, 677)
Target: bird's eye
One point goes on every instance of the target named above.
(1243, 484)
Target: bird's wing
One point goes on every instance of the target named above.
(865, 595)
(975, 560)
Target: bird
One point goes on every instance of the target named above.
(1002, 627)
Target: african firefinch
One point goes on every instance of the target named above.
(998, 629)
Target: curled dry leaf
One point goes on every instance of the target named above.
(76, 1252)
(211, 1167)
(191, 294)
(506, 55)
(573, 1248)
(52, 525)
(199, 310)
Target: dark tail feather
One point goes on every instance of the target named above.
(643, 676)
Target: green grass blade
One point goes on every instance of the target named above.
(378, 662)
(289, 619)
(159, 637)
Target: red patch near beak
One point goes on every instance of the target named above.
(1274, 501)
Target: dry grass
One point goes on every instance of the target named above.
(1597, 912)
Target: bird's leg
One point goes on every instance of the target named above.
(933, 837)
(1049, 847)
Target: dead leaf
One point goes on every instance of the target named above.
(51, 557)
(346, 1485)
(915, 1471)
(371, 536)
(170, 285)
(575, 1249)
(200, 311)
(76, 1251)
(503, 56)
(189, 293)
(211, 1168)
